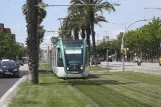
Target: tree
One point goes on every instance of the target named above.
(32, 39)
(90, 13)
(145, 40)
(8, 47)
(54, 40)
(30, 9)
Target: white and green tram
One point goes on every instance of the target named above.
(69, 59)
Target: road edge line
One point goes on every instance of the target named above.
(7, 97)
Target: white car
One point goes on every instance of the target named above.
(7, 60)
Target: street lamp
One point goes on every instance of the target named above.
(123, 57)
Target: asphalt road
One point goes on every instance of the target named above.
(7, 82)
(152, 68)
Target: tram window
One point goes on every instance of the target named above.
(60, 62)
(59, 59)
(73, 54)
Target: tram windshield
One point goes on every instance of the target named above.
(74, 54)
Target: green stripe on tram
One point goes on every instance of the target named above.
(62, 54)
(84, 52)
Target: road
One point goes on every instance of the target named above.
(7, 82)
(152, 68)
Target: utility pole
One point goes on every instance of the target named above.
(61, 27)
(123, 54)
(107, 60)
(122, 47)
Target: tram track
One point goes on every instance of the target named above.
(82, 94)
(105, 88)
(113, 92)
(138, 88)
(129, 86)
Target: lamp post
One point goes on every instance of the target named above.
(123, 56)
(122, 47)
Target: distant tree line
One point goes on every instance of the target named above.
(144, 42)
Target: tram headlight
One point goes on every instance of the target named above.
(81, 67)
(67, 68)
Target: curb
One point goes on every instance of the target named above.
(7, 97)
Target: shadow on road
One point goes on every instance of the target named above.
(22, 73)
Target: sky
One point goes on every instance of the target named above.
(128, 12)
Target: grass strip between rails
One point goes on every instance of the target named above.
(44, 67)
(97, 68)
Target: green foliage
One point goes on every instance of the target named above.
(145, 37)
(54, 40)
(112, 46)
(41, 16)
(8, 47)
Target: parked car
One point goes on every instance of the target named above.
(6, 60)
(20, 62)
(109, 58)
(9, 68)
(93, 61)
(160, 61)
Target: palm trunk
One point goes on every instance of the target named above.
(76, 33)
(88, 31)
(94, 45)
(70, 34)
(32, 42)
(83, 33)
(93, 36)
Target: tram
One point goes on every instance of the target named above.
(68, 59)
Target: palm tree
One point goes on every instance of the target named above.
(31, 12)
(90, 14)
(41, 14)
(34, 17)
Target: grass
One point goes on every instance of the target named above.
(51, 92)
(97, 68)
(44, 67)
(107, 89)
(123, 89)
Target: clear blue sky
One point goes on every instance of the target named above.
(128, 12)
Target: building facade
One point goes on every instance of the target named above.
(7, 30)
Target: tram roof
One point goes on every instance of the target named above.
(72, 41)
(68, 42)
